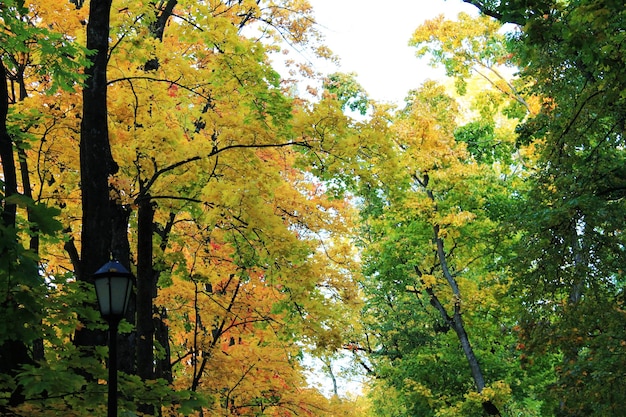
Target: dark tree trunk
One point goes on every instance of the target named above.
(163, 368)
(145, 285)
(455, 321)
(96, 161)
(145, 290)
(7, 159)
(163, 364)
(13, 353)
(120, 250)
(37, 345)
(146, 277)
(157, 29)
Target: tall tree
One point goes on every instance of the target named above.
(186, 135)
(28, 49)
(569, 265)
(434, 265)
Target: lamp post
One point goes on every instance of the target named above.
(114, 285)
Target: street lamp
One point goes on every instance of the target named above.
(114, 285)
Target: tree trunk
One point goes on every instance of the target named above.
(164, 364)
(13, 353)
(456, 320)
(145, 290)
(9, 172)
(145, 277)
(37, 345)
(96, 161)
(163, 367)
(328, 364)
(120, 250)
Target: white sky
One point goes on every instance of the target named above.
(371, 38)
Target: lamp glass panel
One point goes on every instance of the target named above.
(103, 292)
(119, 294)
(113, 294)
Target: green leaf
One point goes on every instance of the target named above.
(41, 215)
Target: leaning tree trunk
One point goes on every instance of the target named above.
(455, 321)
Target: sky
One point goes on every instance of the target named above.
(371, 38)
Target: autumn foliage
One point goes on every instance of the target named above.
(204, 198)
(459, 255)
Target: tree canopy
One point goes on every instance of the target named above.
(463, 253)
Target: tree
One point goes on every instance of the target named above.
(29, 50)
(434, 266)
(567, 267)
(186, 136)
(349, 92)
(581, 161)
(468, 46)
